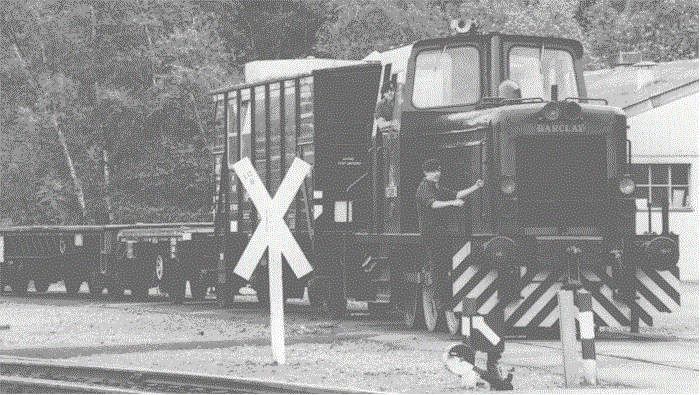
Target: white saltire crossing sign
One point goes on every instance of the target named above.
(273, 232)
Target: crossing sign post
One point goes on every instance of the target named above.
(272, 232)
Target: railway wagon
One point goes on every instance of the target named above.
(556, 210)
(98, 255)
(324, 117)
(47, 254)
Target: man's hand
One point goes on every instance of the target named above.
(478, 184)
(458, 202)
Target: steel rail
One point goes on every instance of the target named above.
(147, 380)
(28, 385)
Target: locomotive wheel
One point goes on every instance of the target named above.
(433, 313)
(41, 286)
(454, 323)
(413, 306)
(72, 285)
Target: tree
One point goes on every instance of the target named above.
(361, 27)
(129, 79)
(661, 30)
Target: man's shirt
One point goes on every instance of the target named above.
(429, 218)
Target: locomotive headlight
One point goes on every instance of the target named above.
(551, 112)
(572, 110)
(627, 185)
(507, 185)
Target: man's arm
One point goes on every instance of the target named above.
(465, 192)
(431, 200)
(447, 203)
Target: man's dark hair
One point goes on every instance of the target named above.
(389, 86)
(431, 164)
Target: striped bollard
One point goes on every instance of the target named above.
(585, 320)
(460, 358)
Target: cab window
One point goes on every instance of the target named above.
(536, 70)
(447, 77)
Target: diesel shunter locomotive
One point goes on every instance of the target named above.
(556, 210)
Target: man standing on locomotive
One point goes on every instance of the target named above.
(435, 219)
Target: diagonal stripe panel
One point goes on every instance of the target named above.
(541, 301)
(548, 314)
(471, 285)
(605, 308)
(530, 300)
(464, 277)
(663, 290)
(462, 254)
(652, 292)
(645, 309)
(553, 316)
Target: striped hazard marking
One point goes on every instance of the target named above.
(658, 291)
(538, 307)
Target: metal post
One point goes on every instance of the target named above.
(567, 328)
(585, 320)
(468, 311)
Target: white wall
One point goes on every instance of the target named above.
(669, 134)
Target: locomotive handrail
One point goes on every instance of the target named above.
(629, 155)
(355, 182)
(586, 99)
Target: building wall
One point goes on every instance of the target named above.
(669, 134)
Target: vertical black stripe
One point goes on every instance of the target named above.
(588, 348)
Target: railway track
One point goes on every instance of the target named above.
(38, 376)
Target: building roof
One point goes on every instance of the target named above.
(620, 85)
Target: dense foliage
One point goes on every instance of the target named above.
(100, 90)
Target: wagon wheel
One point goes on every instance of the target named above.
(453, 322)
(432, 311)
(159, 271)
(413, 306)
(41, 286)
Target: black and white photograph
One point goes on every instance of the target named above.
(349, 196)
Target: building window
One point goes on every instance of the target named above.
(656, 180)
